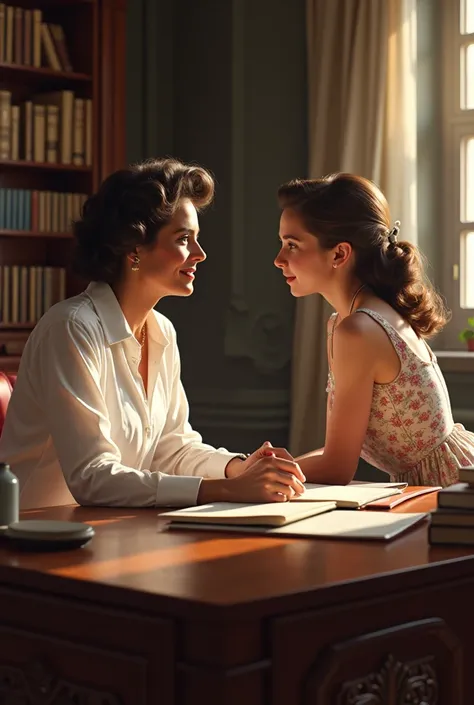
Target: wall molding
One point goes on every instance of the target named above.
(260, 336)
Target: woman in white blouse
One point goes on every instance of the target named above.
(98, 410)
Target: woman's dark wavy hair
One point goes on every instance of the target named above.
(348, 208)
(129, 209)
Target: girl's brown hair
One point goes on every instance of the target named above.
(348, 208)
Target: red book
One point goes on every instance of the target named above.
(395, 500)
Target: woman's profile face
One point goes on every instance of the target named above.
(304, 264)
(169, 265)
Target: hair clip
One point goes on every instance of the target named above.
(393, 233)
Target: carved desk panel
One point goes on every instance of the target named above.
(144, 616)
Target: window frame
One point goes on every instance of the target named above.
(457, 125)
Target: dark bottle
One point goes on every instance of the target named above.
(9, 496)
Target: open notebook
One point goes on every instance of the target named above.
(232, 514)
(338, 524)
(363, 483)
(347, 496)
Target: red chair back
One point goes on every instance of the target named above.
(7, 382)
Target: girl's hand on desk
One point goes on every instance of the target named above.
(237, 466)
(270, 479)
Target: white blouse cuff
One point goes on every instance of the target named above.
(217, 462)
(177, 491)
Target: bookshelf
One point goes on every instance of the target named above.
(62, 130)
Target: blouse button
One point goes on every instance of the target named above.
(147, 430)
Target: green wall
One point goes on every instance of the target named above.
(223, 83)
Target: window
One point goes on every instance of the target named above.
(458, 191)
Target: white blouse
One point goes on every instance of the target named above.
(79, 421)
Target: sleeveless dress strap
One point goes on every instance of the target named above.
(390, 330)
(396, 338)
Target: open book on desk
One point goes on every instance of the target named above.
(338, 524)
(235, 514)
(346, 496)
(364, 483)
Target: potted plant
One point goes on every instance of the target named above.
(467, 335)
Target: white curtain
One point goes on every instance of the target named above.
(362, 119)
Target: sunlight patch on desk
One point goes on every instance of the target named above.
(171, 556)
(112, 520)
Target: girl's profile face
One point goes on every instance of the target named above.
(306, 267)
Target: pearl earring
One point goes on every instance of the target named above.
(334, 266)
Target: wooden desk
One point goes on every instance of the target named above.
(143, 617)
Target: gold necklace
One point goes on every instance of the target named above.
(362, 286)
(143, 336)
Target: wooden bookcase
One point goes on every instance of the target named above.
(94, 36)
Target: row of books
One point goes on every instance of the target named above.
(453, 520)
(54, 127)
(39, 211)
(28, 292)
(28, 41)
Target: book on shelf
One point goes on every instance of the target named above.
(20, 29)
(230, 513)
(53, 127)
(39, 134)
(28, 292)
(15, 132)
(50, 54)
(63, 136)
(336, 524)
(2, 31)
(5, 125)
(39, 211)
(26, 40)
(60, 44)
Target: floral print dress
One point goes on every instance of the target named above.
(411, 434)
